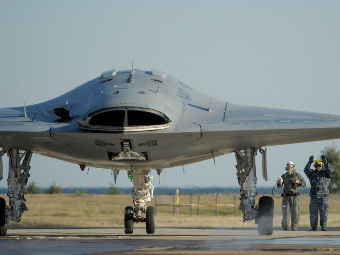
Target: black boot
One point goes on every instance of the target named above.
(313, 229)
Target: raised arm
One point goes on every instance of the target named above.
(328, 168)
(307, 170)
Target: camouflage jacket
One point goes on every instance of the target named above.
(288, 186)
(319, 181)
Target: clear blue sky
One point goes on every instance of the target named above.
(282, 54)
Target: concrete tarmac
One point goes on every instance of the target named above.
(167, 240)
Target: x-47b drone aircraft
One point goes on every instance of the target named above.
(141, 120)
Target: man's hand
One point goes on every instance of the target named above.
(280, 181)
(296, 181)
(311, 159)
(323, 159)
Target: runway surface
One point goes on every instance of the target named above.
(167, 240)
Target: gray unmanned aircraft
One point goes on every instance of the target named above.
(141, 120)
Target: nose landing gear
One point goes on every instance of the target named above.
(142, 192)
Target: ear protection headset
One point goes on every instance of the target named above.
(290, 163)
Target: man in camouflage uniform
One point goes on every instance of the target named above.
(291, 181)
(319, 182)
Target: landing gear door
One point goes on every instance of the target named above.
(264, 163)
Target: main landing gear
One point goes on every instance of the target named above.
(3, 225)
(18, 174)
(246, 175)
(141, 193)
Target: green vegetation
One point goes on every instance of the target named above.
(53, 189)
(81, 192)
(113, 190)
(32, 188)
(333, 156)
(72, 210)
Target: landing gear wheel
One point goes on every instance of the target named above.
(128, 220)
(150, 220)
(3, 225)
(265, 216)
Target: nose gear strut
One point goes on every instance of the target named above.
(142, 192)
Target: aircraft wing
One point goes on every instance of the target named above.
(245, 126)
(19, 131)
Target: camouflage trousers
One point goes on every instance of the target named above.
(290, 212)
(318, 204)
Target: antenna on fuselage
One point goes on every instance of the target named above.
(130, 79)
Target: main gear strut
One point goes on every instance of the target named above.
(246, 175)
(18, 174)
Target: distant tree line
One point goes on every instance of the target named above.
(332, 154)
(32, 188)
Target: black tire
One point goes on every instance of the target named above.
(150, 220)
(3, 225)
(265, 216)
(128, 220)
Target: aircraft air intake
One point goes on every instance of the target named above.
(125, 119)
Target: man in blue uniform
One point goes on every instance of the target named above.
(319, 181)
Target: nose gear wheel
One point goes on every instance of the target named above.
(150, 220)
(128, 220)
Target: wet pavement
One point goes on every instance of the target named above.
(301, 241)
(167, 240)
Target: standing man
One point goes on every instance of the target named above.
(319, 182)
(291, 181)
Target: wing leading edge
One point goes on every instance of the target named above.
(246, 127)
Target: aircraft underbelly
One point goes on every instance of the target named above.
(99, 149)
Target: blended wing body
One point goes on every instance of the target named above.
(140, 120)
(163, 121)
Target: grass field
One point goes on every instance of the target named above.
(72, 210)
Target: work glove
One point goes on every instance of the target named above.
(311, 160)
(323, 159)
